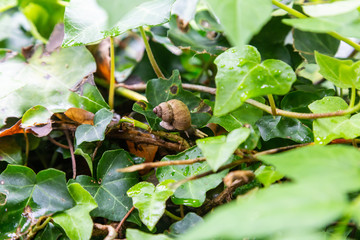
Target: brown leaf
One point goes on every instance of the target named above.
(80, 115)
(43, 130)
(15, 129)
(101, 53)
(143, 150)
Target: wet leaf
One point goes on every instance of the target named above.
(37, 115)
(96, 132)
(189, 221)
(192, 193)
(45, 193)
(52, 77)
(328, 129)
(150, 200)
(76, 221)
(109, 187)
(281, 127)
(218, 150)
(112, 19)
(135, 234)
(241, 76)
(91, 99)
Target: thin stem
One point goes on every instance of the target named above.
(148, 165)
(57, 143)
(73, 161)
(135, 123)
(169, 214)
(123, 91)
(112, 74)
(352, 98)
(272, 104)
(27, 147)
(182, 214)
(300, 15)
(124, 219)
(153, 63)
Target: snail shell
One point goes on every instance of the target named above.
(174, 114)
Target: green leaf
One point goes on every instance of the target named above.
(328, 129)
(80, 151)
(285, 208)
(281, 127)
(10, 151)
(91, 99)
(241, 76)
(6, 4)
(218, 150)
(345, 24)
(112, 19)
(267, 175)
(331, 8)
(343, 73)
(76, 221)
(336, 166)
(192, 193)
(45, 193)
(135, 234)
(150, 200)
(241, 19)
(307, 42)
(51, 232)
(245, 114)
(188, 222)
(195, 40)
(42, 16)
(52, 77)
(35, 115)
(96, 132)
(109, 188)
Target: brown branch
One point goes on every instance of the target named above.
(106, 229)
(71, 147)
(139, 137)
(57, 143)
(281, 149)
(148, 165)
(124, 219)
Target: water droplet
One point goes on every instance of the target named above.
(242, 61)
(277, 72)
(231, 68)
(222, 66)
(260, 77)
(2, 182)
(233, 50)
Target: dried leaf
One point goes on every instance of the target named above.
(80, 115)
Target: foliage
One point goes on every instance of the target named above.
(271, 152)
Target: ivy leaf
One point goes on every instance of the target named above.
(344, 24)
(307, 42)
(189, 221)
(241, 76)
(45, 193)
(35, 115)
(109, 188)
(6, 4)
(234, 16)
(112, 19)
(192, 193)
(135, 234)
(96, 132)
(76, 221)
(323, 166)
(282, 127)
(219, 149)
(51, 232)
(267, 175)
(343, 73)
(328, 129)
(150, 200)
(52, 77)
(10, 151)
(91, 99)
(331, 8)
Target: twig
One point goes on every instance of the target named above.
(112, 233)
(230, 165)
(71, 147)
(281, 149)
(98, 145)
(57, 143)
(152, 60)
(148, 165)
(124, 219)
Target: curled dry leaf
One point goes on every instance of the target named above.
(80, 115)
(239, 175)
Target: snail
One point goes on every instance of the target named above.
(175, 115)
